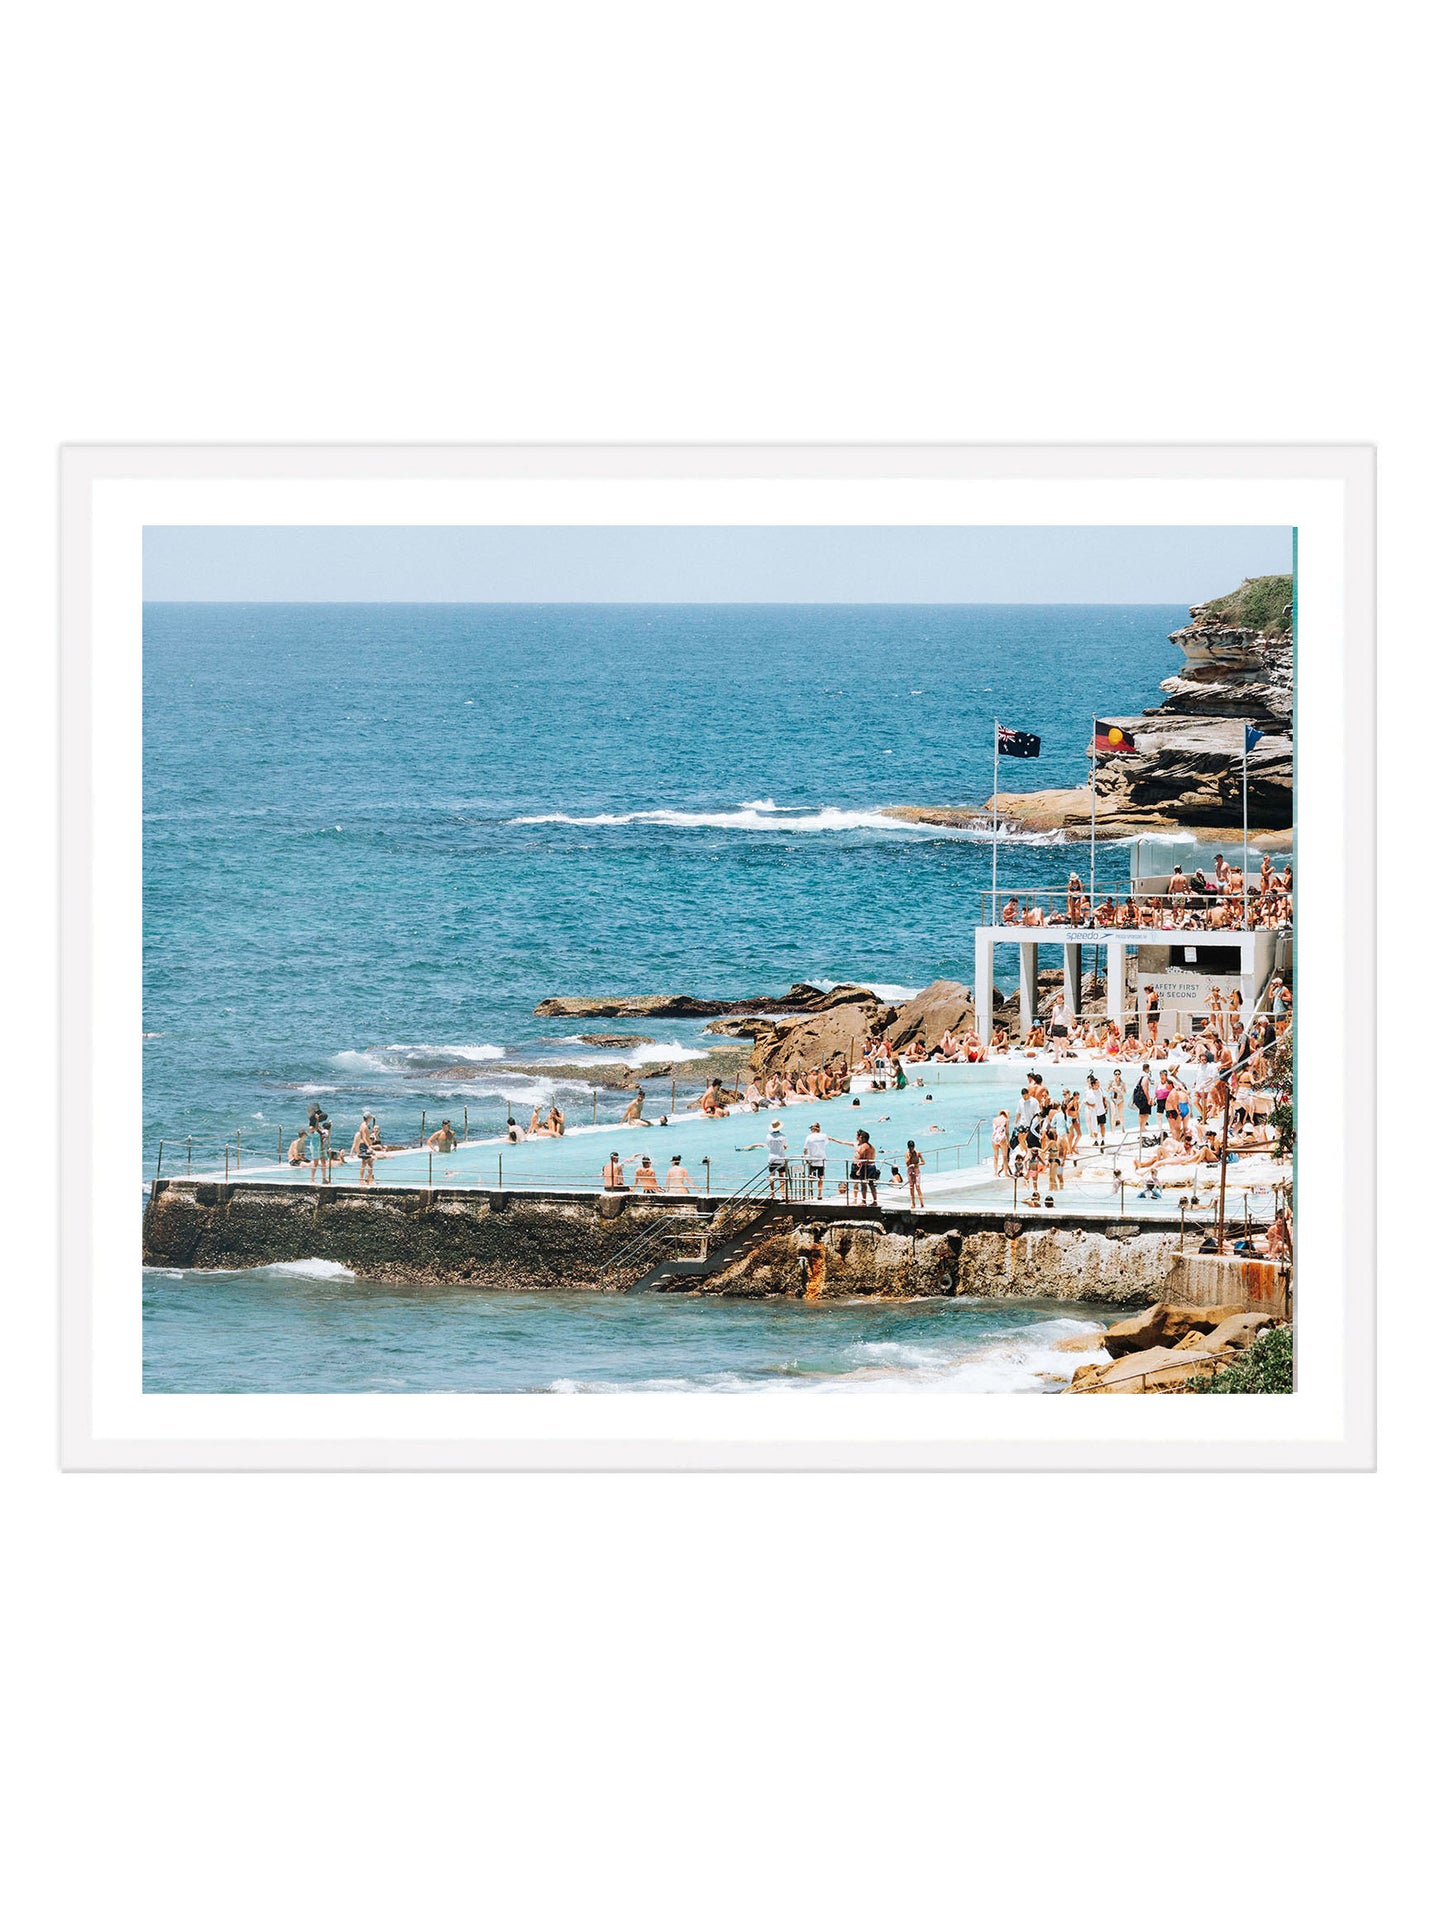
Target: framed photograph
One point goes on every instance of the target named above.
(718, 957)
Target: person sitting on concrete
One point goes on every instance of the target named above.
(678, 1180)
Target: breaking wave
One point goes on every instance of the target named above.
(651, 1053)
(751, 816)
(396, 1058)
(1018, 836)
(1023, 1360)
(894, 995)
(311, 1269)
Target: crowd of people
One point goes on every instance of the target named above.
(1178, 1109)
(314, 1145)
(1176, 1105)
(1198, 901)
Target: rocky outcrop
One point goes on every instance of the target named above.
(1239, 659)
(842, 1033)
(944, 1006)
(1236, 1332)
(1148, 1372)
(801, 998)
(1187, 771)
(1161, 1326)
(798, 1046)
(1238, 669)
(1167, 1346)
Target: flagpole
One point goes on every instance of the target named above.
(1094, 723)
(995, 830)
(1245, 815)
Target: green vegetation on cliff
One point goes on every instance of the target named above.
(1264, 603)
(1266, 1367)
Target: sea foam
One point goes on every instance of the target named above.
(752, 816)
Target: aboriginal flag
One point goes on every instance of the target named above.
(1019, 746)
(1112, 739)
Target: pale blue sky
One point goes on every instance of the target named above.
(944, 565)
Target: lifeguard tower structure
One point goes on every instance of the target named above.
(1177, 949)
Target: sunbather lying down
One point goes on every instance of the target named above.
(1175, 1153)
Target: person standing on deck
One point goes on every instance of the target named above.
(814, 1154)
(1152, 1012)
(1000, 1143)
(1094, 1111)
(914, 1161)
(863, 1170)
(364, 1149)
(1140, 1099)
(1115, 1104)
(777, 1150)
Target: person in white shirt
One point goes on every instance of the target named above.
(815, 1144)
(777, 1152)
(1094, 1111)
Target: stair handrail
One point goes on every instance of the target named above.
(626, 1256)
(742, 1196)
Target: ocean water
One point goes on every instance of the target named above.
(376, 836)
(310, 1327)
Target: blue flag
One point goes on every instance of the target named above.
(1253, 737)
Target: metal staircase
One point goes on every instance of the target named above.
(690, 1245)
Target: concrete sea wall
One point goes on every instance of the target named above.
(530, 1241)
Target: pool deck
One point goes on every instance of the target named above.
(947, 1108)
(970, 1205)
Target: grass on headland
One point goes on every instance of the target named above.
(1263, 603)
(1267, 1366)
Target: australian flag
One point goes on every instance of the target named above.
(1019, 746)
(1253, 737)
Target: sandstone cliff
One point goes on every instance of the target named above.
(1237, 668)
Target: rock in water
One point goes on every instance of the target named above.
(795, 1046)
(801, 998)
(945, 1004)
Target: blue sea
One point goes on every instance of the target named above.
(377, 835)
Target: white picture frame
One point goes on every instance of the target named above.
(108, 495)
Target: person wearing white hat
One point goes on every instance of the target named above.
(778, 1157)
(778, 1149)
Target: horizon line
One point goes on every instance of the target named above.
(269, 600)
